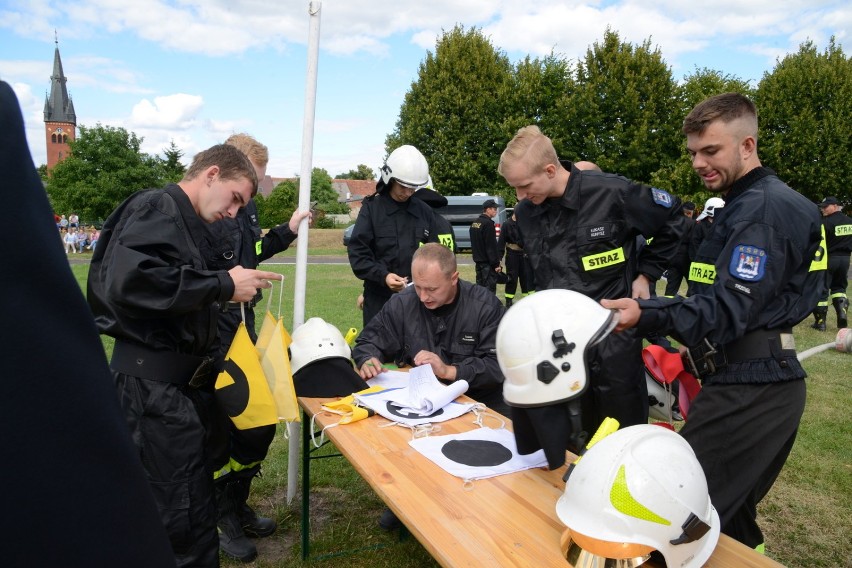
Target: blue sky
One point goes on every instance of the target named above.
(195, 71)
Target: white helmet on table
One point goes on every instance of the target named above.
(407, 166)
(637, 490)
(541, 346)
(314, 340)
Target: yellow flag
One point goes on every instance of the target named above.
(241, 387)
(276, 365)
(265, 334)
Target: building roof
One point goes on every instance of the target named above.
(58, 106)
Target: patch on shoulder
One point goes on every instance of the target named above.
(748, 263)
(661, 197)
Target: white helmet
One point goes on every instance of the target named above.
(662, 401)
(541, 346)
(315, 340)
(407, 166)
(637, 490)
(710, 207)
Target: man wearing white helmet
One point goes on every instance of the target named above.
(759, 273)
(390, 227)
(704, 224)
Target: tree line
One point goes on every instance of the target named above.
(618, 106)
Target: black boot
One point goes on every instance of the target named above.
(508, 302)
(232, 540)
(841, 305)
(820, 314)
(253, 525)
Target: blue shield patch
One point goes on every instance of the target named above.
(748, 263)
(661, 197)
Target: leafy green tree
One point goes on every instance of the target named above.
(280, 204)
(173, 167)
(361, 172)
(621, 114)
(452, 113)
(106, 165)
(805, 109)
(675, 173)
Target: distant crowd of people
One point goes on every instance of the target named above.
(75, 239)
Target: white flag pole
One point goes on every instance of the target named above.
(294, 428)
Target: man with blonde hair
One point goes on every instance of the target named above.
(237, 456)
(580, 228)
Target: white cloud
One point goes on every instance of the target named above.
(173, 112)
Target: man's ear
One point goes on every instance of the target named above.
(550, 170)
(211, 173)
(748, 147)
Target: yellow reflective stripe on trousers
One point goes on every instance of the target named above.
(702, 273)
(623, 501)
(603, 259)
(820, 261)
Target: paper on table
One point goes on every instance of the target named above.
(426, 393)
(390, 380)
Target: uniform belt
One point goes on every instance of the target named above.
(164, 366)
(777, 344)
(225, 306)
(513, 246)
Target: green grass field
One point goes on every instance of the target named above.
(805, 517)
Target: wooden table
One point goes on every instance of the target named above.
(508, 520)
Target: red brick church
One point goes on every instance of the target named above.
(60, 121)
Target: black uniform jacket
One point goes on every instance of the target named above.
(755, 270)
(838, 234)
(148, 282)
(462, 334)
(483, 241)
(385, 236)
(586, 240)
(238, 241)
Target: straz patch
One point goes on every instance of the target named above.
(748, 263)
(701, 272)
(468, 337)
(661, 197)
(599, 232)
(603, 259)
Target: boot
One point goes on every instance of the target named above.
(253, 524)
(841, 305)
(232, 540)
(508, 302)
(820, 314)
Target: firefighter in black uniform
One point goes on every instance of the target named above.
(483, 244)
(838, 238)
(759, 274)
(442, 321)
(77, 488)
(580, 230)
(518, 267)
(390, 227)
(236, 461)
(149, 288)
(679, 266)
(436, 201)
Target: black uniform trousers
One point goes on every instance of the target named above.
(518, 269)
(836, 276)
(169, 424)
(742, 435)
(486, 276)
(373, 302)
(674, 275)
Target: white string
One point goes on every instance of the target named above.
(243, 311)
(322, 432)
(481, 412)
(280, 295)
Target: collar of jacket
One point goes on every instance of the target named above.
(195, 225)
(746, 182)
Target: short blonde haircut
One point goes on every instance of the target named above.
(439, 254)
(256, 152)
(532, 145)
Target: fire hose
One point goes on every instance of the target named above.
(842, 342)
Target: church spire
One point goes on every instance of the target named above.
(58, 106)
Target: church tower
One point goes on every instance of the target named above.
(60, 121)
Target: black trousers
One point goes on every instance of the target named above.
(836, 280)
(168, 424)
(486, 276)
(674, 275)
(742, 435)
(518, 269)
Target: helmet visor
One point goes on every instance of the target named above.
(585, 552)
